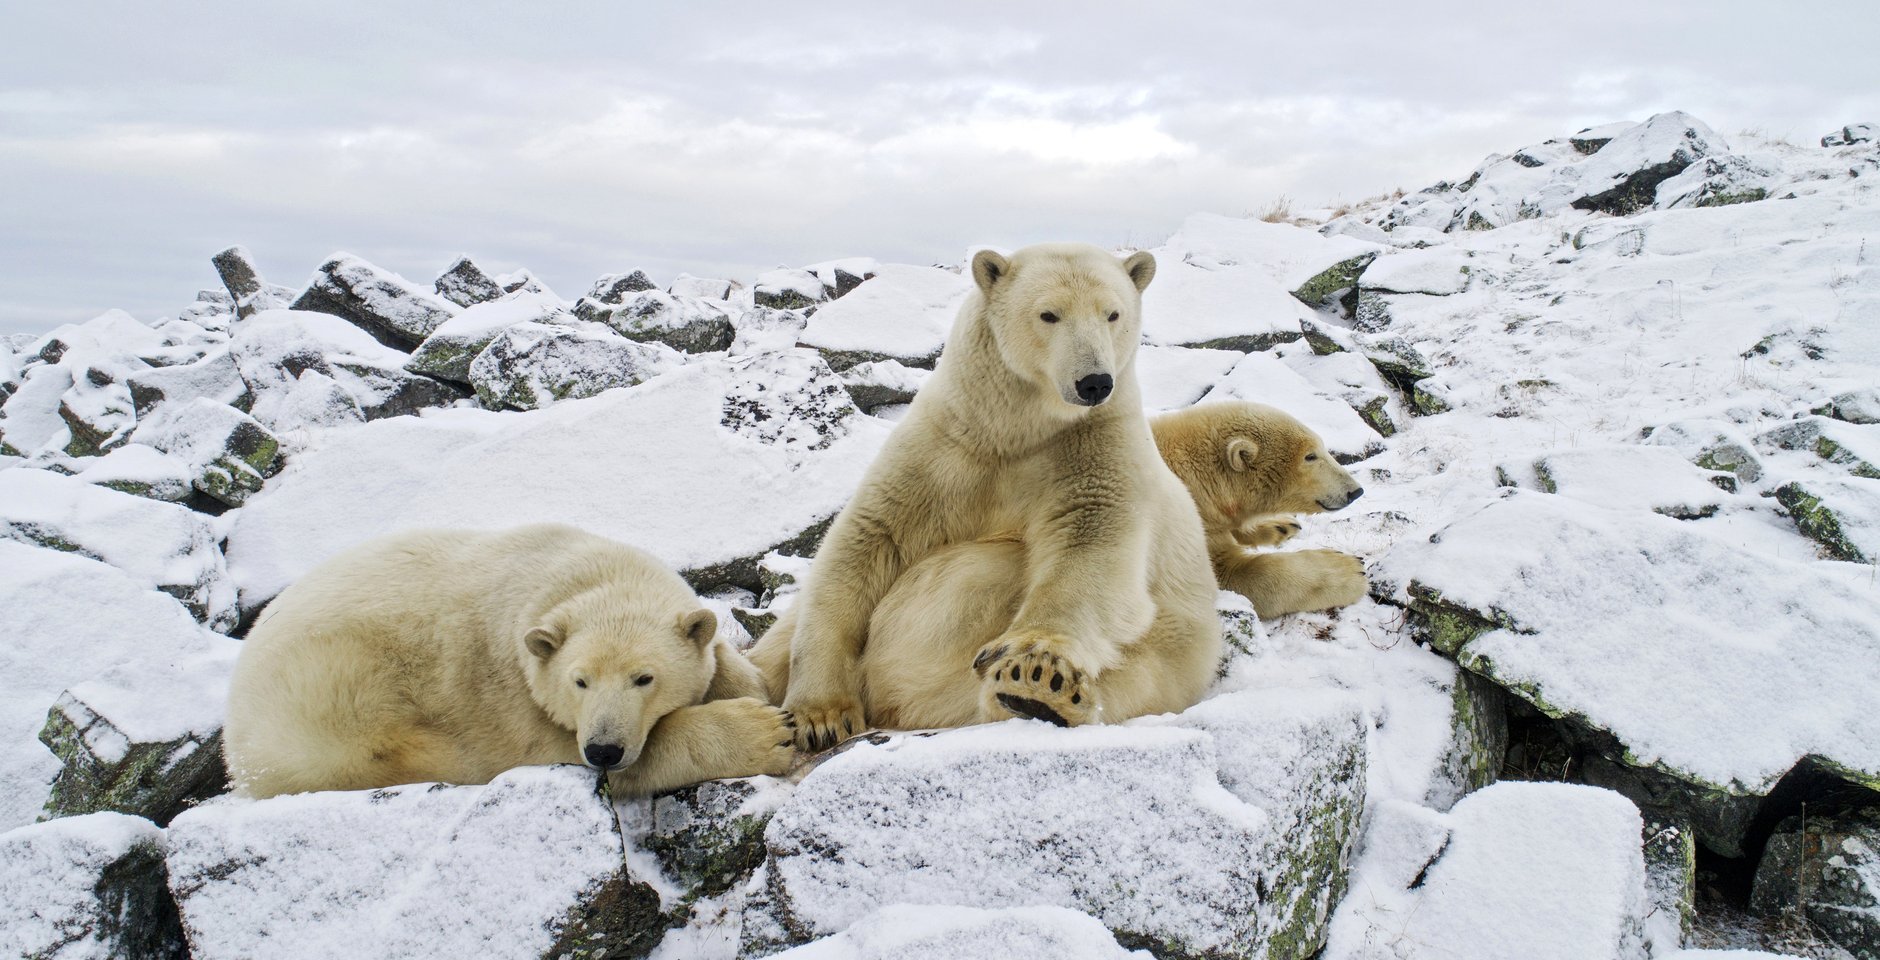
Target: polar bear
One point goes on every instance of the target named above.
(454, 655)
(1250, 467)
(1018, 547)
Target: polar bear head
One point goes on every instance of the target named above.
(608, 665)
(1242, 460)
(1066, 317)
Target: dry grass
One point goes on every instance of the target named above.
(1279, 211)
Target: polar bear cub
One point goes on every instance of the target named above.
(1018, 547)
(454, 655)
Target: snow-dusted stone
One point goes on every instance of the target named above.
(1543, 595)
(704, 288)
(1670, 850)
(1627, 477)
(393, 310)
(111, 757)
(532, 365)
(1591, 139)
(1711, 445)
(1541, 871)
(86, 888)
(788, 399)
(880, 383)
(1624, 175)
(213, 312)
(522, 281)
(762, 329)
(448, 352)
(1828, 870)
(213, 375)
(97, 409)
(465, 284)
(729, 499)
(1325, 339)
(250, 294)
(1350, 378)
(708, 837)
(1264, 378)
(1334, 286)
(1855, 406)
(29, 420)
(528, 866)
(142, 471)
(228, 453)
(1717, 181)
(1842, 514)
(788, 289)
(903, 314)
(967, 933)
(1226, 839)
(1854, 446)
(113, 338)
(126, 651)
(310, 370)
(162, 545)
(1230, 283)
(686, 324)
(1439, 271)
(1404, 367)
(1851, 134)
(617, 288)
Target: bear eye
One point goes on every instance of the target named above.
(643, 679)
(1114, 315)
(1312, 456)
(580, 683)
(1048, 317)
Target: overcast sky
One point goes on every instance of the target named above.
(138, 138)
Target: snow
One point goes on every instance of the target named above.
(143, 467)
(705, 288)
(1640, 623)
(30, 419)
(904, 312)
(69, 622)
(1438, 270)
(1631, 477)
(312, 370)
(54, 900)
(1172, 378)
(1539, 871)
(1263, 378)
(477, 325)
(1226, 279)
(650, 465)
(424, 870)
(928, 932)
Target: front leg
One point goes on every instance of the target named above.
(710, 741)
(1266, 531)
(1300, 580)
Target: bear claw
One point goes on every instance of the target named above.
(1034, 682)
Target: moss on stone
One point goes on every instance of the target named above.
(1751, 195)
(152, 780)
(1817, 522)
(1325, 287)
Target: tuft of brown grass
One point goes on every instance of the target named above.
(1279, 211)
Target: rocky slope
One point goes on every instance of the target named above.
(1615, 398)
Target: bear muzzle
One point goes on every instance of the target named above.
(1330, 503)
(1094, 389)
(605, 756)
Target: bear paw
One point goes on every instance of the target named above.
(1026, 678)
(1337, 578)
(824, 722)
(767, 733)
(1267, 532)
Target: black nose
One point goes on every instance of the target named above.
(1094, 389)
(1354, 494)
(604, 755)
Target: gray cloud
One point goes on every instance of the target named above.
(722, 139)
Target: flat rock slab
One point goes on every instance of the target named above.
(1229, 282)
(529, 866)
(86, 888)
(903, 314)
(967, 933)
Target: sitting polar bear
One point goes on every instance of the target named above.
(455, 655)
(1249, 468)
(1018, 547)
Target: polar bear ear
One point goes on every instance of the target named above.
(988, 268)
(1141, 268)
(543, 642)
(699, 626)
(1240, 453)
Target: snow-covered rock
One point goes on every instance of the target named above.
(704, 288)
(527, 867)
(86, 888)
(686, 324)
(1229, 283)
(903, 314)
(617, 288)
(465, 284)
(879, 383)
(131, 654)
(311, 370)
(653, 465)
(1711, 445)
(1851, 134)
(161, 545)
(1632, 477)
(1263, 378)
(709, 837)
(762, 329)
(1623, 176)
(392, 309)
(29, 420)
(787, 288)
(1539, 871)
(1545, 595)
(789, 399)
(227, 453)
(1842, 514)
(1350, 378)
(249, 293)
(1175, 377)
(448, 352)
(1439, 271)
(532, 365)
(1212, 834)
(143, 471)
(967, 933)
(212, 376)
(1826, 869)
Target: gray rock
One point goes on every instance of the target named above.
(705, 288)
(1851, 134)
(98, 411)
(909, 932)
(228, 453)
(105, 765)
(880, 383)
(790, 399)
(1842, 515)
(1826, 870)
(1717, 181)
(448, 352)
(1855, 406)
(709, 838)
(529, 866)
(1478, 744)
(87, 888)
(756, 572)
(763, 329)
(248, 292)
(1404, 367)
(615, 288)
(1332, 287)
(214, 377)
(1670, 880)
(316, 370)
(1712, 445)
(385, 305)
(465, 284)
(532, 365)
(143, 471)
(686, 324)
(1624, 175)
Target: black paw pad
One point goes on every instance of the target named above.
(1027, 707)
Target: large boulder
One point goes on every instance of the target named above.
(227, 453)
(1221, 833)
(686, 324)
(213, 376)
(465, 284)
(161, 545)
(132, 657)
(528, 867)
(903, 314)
(97, 409)
(29, 420)
(1827, 870)
(450, 349)
(787, 288)
(393, 310)
(532, 365)
(1542, 871)
(86, 888)
(248, 292)
(1851, 134)
(311, 370)
(1624, 175)
(143, 471)
(1543, 595)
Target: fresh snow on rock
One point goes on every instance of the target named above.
(85, 888)
(966, 933)
(904, 313)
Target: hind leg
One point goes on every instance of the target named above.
(918, 664)
(771, 655)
